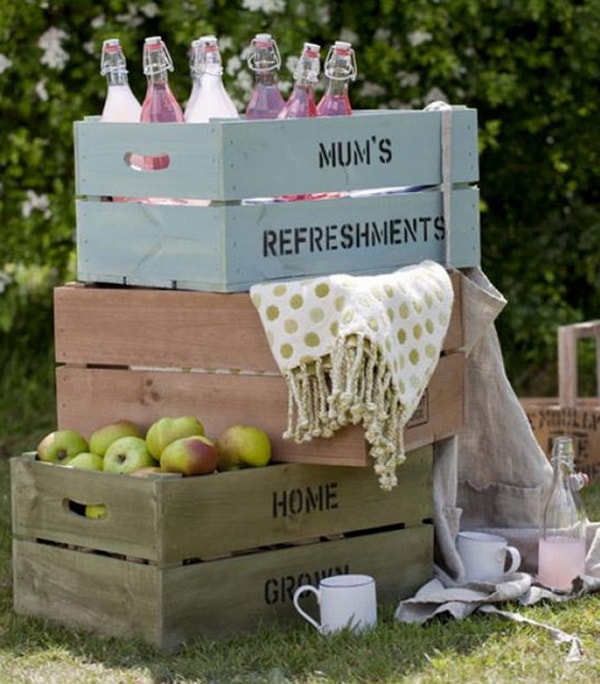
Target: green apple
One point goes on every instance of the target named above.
(166, 430)
(242, 446)
(61, 445)
(87, 461)
(95, 511)
(195, 455)
(127, 454)
(104, 436)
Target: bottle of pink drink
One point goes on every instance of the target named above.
(339, 70)
(159, 104)
(562, 543)
(266, 100)
(301, 102)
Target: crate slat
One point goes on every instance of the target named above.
(167, 606)
(166, 521)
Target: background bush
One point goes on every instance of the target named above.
(531, 69)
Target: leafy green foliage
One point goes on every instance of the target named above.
(531, 69)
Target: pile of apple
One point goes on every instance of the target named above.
(170, 445)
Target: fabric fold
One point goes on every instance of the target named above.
(357, 350)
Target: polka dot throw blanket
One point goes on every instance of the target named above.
(357, 350)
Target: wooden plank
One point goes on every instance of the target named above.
(174, 329)
(229, 248)
(167, 606)
(88, 398)
(170, 520)
(239, 159)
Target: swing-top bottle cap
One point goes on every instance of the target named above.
(113, 59)
(264, 53)
(340, 63)
(156, 56)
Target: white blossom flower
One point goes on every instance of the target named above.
(98, 22)
(371, 89)
(5, 280)
(416, 38)
(407, 80)
(132, 18)
(225, 43)
(150, 9)
(41, 91)
(324, 15)
(50, 42)
(266, 6)
(35, 202)
(382, 34)
(244, 80)
(5, 63)
(233, 65)
(89, 47)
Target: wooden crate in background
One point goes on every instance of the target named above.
(569, 414)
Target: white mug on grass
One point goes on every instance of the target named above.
(484, 556)
(345, 601)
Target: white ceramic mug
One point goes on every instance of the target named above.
(484, 555)
(345, 601)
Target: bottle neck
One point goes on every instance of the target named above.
(117, 78)
(266, 78)
(337, 87)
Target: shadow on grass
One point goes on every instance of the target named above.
(389, 653)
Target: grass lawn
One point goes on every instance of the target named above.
(480, 649)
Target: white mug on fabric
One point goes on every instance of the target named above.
(484, 555)
(345, 601)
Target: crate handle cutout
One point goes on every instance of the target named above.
(95, 511)
(144, 162)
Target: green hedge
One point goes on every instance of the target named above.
(530, 68)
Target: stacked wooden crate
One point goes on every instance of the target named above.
(160, 323)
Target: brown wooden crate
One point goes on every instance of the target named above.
(174, 329)
(582, 422)
(171, 519)
(90, 397)
(167, 606)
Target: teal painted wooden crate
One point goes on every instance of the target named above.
(207, 226)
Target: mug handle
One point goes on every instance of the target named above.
(301, 590)
(515, 559)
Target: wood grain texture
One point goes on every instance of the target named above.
(88, 398)
(118, 326)
(169, 520)
(167, 606)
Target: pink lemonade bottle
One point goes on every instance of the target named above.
(339, 70)
(159, 104)
(562, 543)
(266, 100)
(301, 102)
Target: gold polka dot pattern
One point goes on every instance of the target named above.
(397, 320)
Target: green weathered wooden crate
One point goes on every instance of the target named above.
(208, 232)
(213, 555)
